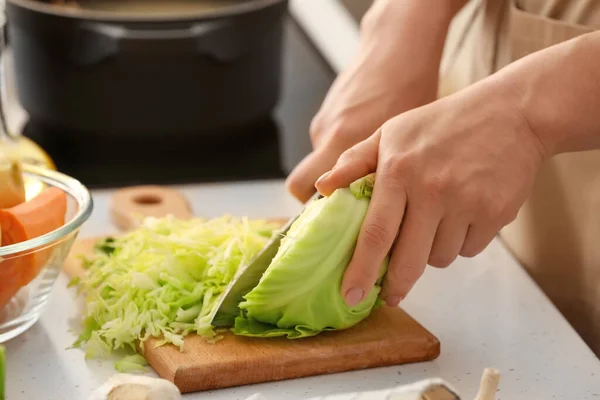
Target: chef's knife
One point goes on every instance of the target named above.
(249, 276)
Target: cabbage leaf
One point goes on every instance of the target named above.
(299, 295)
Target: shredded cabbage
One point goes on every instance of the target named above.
(131, 363)
(162, 280)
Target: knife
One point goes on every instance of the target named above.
(248, 276)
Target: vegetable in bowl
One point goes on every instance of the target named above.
(36, 236)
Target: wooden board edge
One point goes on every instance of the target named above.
(432, 351)
(426, 347)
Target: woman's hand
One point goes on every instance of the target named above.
(452, 173)
(396, 70)
(360, 100)
(449, 176)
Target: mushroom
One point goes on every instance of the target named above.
(135, 387)
(489, 384)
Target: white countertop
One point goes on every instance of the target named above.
(485, 311)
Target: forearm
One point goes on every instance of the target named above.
(395, 33)
(557, 90)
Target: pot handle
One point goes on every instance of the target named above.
(99, 41)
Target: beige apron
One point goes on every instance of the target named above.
(556, 235)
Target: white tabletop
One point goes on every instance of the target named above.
(486, 312)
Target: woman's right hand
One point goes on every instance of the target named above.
(396, 70)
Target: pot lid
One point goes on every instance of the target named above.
(144, 10)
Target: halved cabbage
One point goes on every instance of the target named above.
(299, 295)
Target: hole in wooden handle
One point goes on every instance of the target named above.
(147, 199)
(129, 204)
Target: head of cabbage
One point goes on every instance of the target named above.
(299, 295)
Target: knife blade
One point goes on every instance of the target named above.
(248, 277)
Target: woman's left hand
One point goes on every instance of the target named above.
(449, 176)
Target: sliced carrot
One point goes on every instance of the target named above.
(42, 214)
(38, 216)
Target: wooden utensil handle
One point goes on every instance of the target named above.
(129, 204)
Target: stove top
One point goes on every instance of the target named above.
(126, 161)
(267, 149)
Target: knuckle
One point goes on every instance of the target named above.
(434, 187)
(496, 206)
(348, 155)
(395, 166)
(394, 171)
(388, 126)
(376, 234)
(295, 185)
(469, 196)
(491, 208)
(339, 131)
(508, 214)
(315, 129)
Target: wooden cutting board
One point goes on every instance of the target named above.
(389, 336)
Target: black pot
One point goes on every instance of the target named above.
(88, 71)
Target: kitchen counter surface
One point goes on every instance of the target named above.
(485, 310)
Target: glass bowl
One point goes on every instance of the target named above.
(27, 302)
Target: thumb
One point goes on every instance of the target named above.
(354, 163)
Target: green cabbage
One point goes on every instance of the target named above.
(162, 280)
(299, 295)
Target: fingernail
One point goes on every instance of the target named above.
(323, 177)
(394, 301)
(354, 296)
